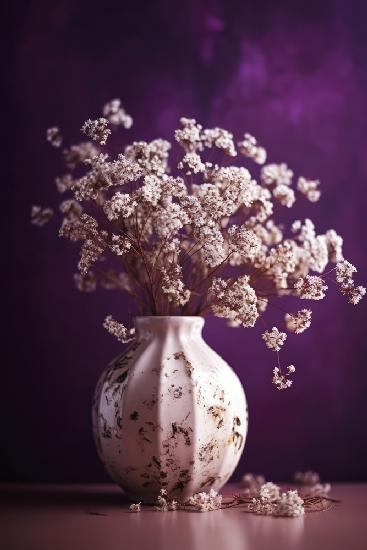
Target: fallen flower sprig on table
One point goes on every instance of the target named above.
(258, 497)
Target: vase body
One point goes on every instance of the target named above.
(169, 412)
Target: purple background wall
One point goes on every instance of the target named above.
(292, 73)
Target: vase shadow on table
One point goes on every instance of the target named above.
(60, 496)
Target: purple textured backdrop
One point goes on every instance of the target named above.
(293, 74)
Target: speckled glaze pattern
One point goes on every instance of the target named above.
(169, 412)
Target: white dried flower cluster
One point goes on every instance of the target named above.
(269, 491)
(344, 277)
(219, 138)
(110, 280)
(206, 502)
(173, 286)
(344, 273)
(273, 502)
(319, 490)
(298, 322)
(164, 504)
(79, 154)
(189, 136)
(334, 244)
(88, 283)
(97, 130)
(307, 478)
(150, 158)
(243, 242)
(64, 183)
(120, 205)
(284, 194)
(135, 507)
(354, 294)
(191, 164)
(310, 481)
(207, 239)
(85, 228)
(274, 339)
(71, 209)
(118, 330)
(235, 301)
(250, 148)
(116, 114)
(40, 216)
(278, 174)
(281, 380)
(310, 287)
(53, 135)
(120, 245)
(252, 483)
(309, 188)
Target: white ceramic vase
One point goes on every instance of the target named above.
(169, 412)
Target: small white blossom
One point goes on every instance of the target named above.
(118, 330)
(78, 154)
(90, 252)
(278, 174)
(71, 209)
(303, 231)
(135, 507)
(298, 322)
(234, 300)
(344, 273)
(272, 502)
(164, 504)
(206, 502)
(64, 183)
(269, 491)
(97, 130)
(282, 381)
(40, 216)
(252, 483)
(319, 490)
(191, 163)
(120, 245)
(173, 286)
(121, 205)
(189, 137)
(290, 504)
(310, 287)
(116, 114)
(53, 135)
(309, 188)
(150, 158)
(110, 280)
(88, 283)
(274, 339)
(307, 478)
(334, 245)
(244, 242)
(354, 294)
(285, 195)
(222, 139)
(311, 483)
(250, 148)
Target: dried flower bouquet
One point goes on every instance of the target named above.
(196, 236)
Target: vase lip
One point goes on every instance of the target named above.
(160, 321)
(189, 317)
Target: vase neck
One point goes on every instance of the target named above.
(179, 326)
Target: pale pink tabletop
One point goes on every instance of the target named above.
(78, 517)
